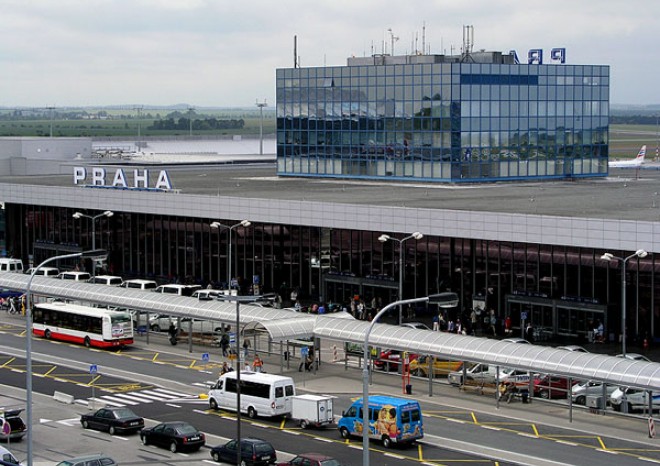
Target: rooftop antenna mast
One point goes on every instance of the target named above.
(468, 43)
(423, 37)
(295, 51)
(393, 39)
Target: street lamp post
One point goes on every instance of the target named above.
(448, 299)
(623, 260)
(261, 106)
(384, 238)
(28, 337)
(93, 218)
(230, 228)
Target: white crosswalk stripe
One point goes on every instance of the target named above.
(138, 397)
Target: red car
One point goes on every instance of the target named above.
(551, 387)
(311, 459)
(390, 360)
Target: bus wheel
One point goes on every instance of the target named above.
(88, 342)
(213, 404)
(387, 441)
(303, 424)
(252, 413)
(344, 432)
(47, 334)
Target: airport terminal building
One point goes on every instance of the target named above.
(466, 118)
(349, 142)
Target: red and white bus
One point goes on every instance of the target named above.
(90, 326)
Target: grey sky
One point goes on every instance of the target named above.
(224, 53)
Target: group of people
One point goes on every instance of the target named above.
(12, 304)
(257, 366)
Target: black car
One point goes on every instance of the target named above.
(17, 428)
(114, 420)
(175, 435)
(254, 451)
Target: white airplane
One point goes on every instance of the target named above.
(634, 163)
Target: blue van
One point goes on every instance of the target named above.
(391, 420)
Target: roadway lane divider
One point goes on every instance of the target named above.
(63, 398)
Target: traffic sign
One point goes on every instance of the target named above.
(304, 351)
(205, 357)
(6, 427)
(523, 315)
(93, 369)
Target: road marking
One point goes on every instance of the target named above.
(172, 405)
(458, 421)
(490, 427)
(563, 442)
(650, 460)
(392, 455)
(327, 440)
(525, 434)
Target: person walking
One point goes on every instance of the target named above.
(246, 348)
(257, 364)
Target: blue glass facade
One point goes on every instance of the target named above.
(434, 118)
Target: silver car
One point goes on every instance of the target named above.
(582, 390)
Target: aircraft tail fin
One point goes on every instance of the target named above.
(641, 154)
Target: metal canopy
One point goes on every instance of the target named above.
(284, 325)
(533, 358)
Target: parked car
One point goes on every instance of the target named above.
(98, 459)
(161, 322)
(139, 284)
(551, 387)
(635, 399)
(110, 280)
(441, 367)
(254, 452)
(74, 275)
(518, 340)
(7, 456)
(114, 420)
(580, 391)
(17, 428)
(311, 459)
(177, 289)
(7, 264)
(390, 360)
(175, 435)
(485, 374)
(44, 271)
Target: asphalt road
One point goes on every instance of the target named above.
(161, 384)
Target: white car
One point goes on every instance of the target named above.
(582, 390)
(636, 399)
(634, 357)
(161, 323)
(482, 374)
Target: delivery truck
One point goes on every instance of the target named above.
(312, 410)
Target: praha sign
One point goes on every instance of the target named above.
(99, 176)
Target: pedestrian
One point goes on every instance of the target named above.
(507, 325)
(360, 310)
(247, 367)
(225, 368)
(257, 364)
(436, 323)
(224, 344)
(529, 332)
(246, 348)
(171, 331)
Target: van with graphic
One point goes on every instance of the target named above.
(391, 420)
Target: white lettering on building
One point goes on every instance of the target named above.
(99, 177)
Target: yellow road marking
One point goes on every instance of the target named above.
(9, 362)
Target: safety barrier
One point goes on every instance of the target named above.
(63, 398)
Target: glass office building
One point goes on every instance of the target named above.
(443, 118)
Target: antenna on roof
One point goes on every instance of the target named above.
(295, 51)
(468, 43)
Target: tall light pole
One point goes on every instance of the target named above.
(28, 337)
(447, 299)
(383, 239)
(230, 228)
(623, 260)
(93, 218)
(261, 106)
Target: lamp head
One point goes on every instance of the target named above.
(641, 253)
(609, 257)
(246, 223)
(383, 238)
(417, 235)
(445, 300)
(78, 215)
(108, 213)
(216, 225)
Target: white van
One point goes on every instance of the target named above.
(262, 394)
(109, 280)
(7, 457)
(140, 284)
(179, 290)
(11, 265)
(75, 276)
(45, 272)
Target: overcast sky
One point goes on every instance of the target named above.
(224, 53)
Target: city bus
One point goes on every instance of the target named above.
(90, 326)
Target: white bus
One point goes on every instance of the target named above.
(91, 326)
(262, 394)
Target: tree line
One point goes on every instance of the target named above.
(205, 124)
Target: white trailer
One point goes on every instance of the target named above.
(312, 410)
